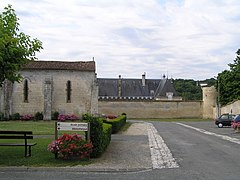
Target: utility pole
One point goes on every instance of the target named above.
(218, 96)
(218, 101)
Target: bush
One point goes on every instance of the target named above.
(100, 135)
(71, 147)
(38, 116)
(117, 123)
(16, 116)
(86, 116)
(55, 115)
(1, 116)
(107, 131)
(124, 114)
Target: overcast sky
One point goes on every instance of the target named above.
(189, 39)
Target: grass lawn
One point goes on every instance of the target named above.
(43, 132)
(14, 156)
(37, 127)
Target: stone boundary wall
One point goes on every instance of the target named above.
(233, 108)
(153, 109)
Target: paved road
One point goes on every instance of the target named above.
(157, 150)
(202, 151)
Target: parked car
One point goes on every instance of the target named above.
(224, 120)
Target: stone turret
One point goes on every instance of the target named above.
(209, 102)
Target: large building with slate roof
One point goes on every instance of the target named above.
(132, 89)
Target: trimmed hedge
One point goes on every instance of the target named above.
(107, 131)
(117, 123)
(100, 134)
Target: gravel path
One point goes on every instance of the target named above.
(138, 148)
(128, 151)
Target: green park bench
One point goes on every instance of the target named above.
(18, 135)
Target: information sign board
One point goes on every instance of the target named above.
(65, 126)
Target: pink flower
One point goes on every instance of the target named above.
(63, 117)
(27, 117)
(68, 146)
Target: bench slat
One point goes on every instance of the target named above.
(16, 137)
(17, 144)
(16, 132)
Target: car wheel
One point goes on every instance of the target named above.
(220, 125)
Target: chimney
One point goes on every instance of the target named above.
(144, 79)
(119, 86)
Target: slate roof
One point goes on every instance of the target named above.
(134, 87)
(61, 65)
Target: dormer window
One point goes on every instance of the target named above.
(152, 92)
(169, 95)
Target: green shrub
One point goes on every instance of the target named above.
(86, 116)
(38, 116)
(100, 135)
(16, 116)
(55, 115)
(1, 116)
(117, 123)
(107, 131)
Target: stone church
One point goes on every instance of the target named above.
(49, 86)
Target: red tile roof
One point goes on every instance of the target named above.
(61, 65)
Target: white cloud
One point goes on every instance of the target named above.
(184, 39)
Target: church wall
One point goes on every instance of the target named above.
(81, 92)
(81, 89)
(153, 109)
(35, 95)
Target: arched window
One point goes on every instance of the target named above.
(25, 90)
(69, 91)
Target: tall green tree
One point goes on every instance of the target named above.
(188, 89)
(229, 82)
(16, 48)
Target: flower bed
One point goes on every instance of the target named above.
(27, 117)
(71, 147)
(66, 117)
(236, 126)
(111, 116)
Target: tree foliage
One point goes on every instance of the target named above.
(190, 89)
(229, 82)
(16, 48)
